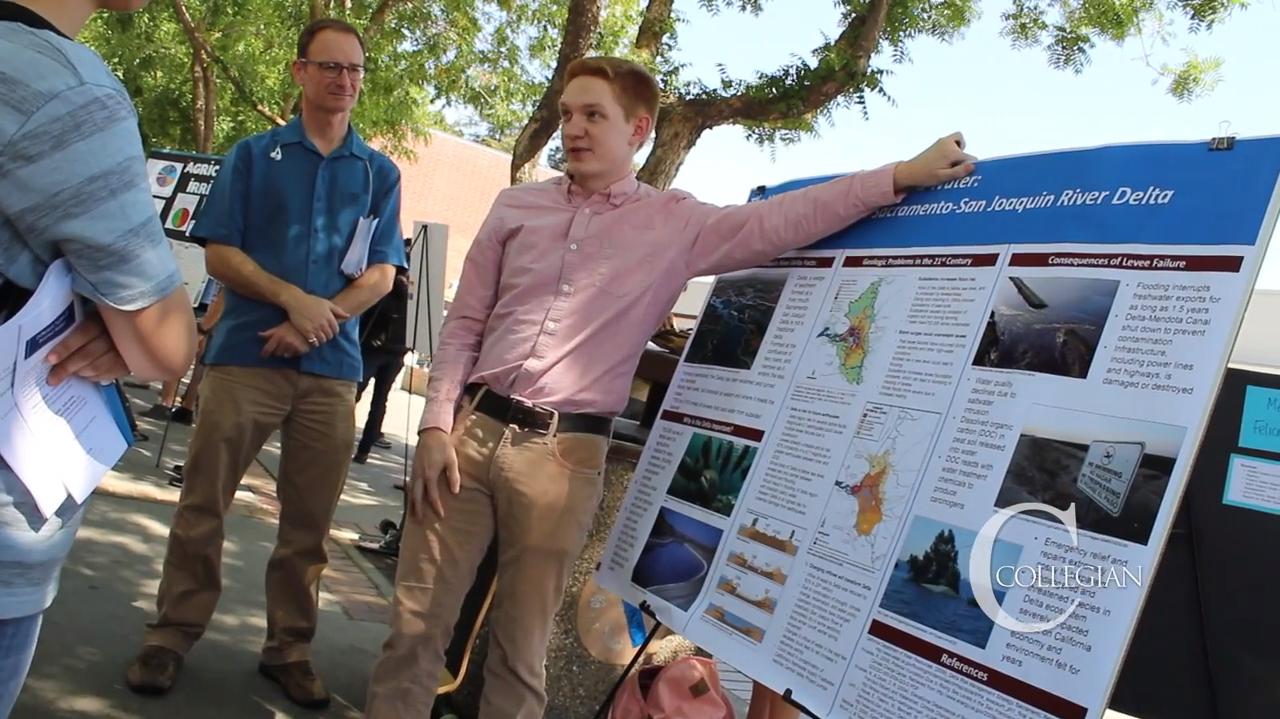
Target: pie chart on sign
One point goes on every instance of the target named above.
(180, 217)
(182, 212)
(167, 176)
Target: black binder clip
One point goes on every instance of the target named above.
(1225, 140)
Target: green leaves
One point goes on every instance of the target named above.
(1067, 32)
(205, 73)
(485, 58)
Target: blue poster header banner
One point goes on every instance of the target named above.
(1179, 193)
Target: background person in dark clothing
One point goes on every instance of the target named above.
(383, 345)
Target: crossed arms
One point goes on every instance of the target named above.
(310, 317)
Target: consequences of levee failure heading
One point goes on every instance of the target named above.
(1069, 579)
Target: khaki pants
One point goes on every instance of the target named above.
(239, 410)
(539, 493)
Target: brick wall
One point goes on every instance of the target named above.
(453, 181)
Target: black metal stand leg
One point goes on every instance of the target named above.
(607, 704)
(164, 438)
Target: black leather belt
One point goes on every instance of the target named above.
(533, 418)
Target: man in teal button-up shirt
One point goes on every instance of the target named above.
(283, 212)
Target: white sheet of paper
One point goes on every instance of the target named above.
(60, 440)
(357, 258)
(191, 265)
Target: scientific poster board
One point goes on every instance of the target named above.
(846, 423)
(180, 181)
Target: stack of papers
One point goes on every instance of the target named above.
(356, 260)
(60, 441)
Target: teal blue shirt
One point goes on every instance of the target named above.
(294, 211)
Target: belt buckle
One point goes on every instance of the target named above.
(523, 414)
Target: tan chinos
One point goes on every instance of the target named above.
(239, 410)
(538, 490)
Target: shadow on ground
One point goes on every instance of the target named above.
(108, 588)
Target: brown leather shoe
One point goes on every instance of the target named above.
(299, 681)
(154, 670)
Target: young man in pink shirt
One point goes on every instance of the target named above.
(560, 291)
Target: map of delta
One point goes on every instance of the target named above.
(852, 343)
(869, 493)
(872, 493)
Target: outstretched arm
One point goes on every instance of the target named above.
(725, 239)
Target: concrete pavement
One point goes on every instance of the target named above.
(92, 631)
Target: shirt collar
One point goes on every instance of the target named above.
(13, 12)
(292, 132)
(614, 194)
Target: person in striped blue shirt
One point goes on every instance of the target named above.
(73, 184)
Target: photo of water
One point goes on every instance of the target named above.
(929, 583)
(676, 559)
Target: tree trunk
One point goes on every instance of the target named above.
(198, 99)
(679, 128)
(205, 142)
(204, 98)
(237, 83)
(526, 173)
(581, 24)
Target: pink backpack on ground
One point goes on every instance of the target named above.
(688, 688)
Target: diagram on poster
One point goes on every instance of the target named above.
(873, 492)
(825, 494)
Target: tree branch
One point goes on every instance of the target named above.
(582, 22)
(378, 18)
(785, 97)
(654, 28)
(197, 41)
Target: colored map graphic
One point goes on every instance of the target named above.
(871, 497)
(851, 343)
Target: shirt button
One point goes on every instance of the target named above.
(574, 246)
(551, 325)
(564, 288)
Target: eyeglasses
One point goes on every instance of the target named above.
(334, 69)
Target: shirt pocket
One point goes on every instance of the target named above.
(628, 264)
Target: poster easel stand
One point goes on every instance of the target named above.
(389, 544)
(607, 704)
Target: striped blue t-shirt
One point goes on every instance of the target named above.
(73, 183)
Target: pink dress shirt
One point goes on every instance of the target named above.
(560, 292)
